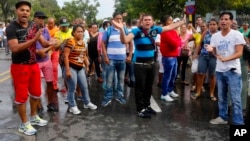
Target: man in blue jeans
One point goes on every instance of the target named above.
(227, 45)
(115, 60)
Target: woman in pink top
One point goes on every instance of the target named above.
(185, 52)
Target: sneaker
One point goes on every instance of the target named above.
(144, 114)
(151, 111)
(74, 110)
(52, 108)
(90, 106)
(218, 120)
(173, 94)
(166, 98)
(38, 121)
(106, 102)
(27, 129)
(121, 100)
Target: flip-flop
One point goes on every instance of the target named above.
(212, 98)
(195, 96)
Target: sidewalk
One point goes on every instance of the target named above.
(3, 55)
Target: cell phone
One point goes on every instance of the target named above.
(232, 69)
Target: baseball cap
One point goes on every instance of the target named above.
(245, 23)
(105, 20)
(40, 14)
(64, 22)
(22, 2)
(176, 20)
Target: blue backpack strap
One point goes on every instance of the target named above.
(108, 35)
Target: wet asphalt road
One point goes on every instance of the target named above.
(181, 120)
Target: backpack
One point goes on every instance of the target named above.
(61, 51)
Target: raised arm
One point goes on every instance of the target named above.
(174, 25)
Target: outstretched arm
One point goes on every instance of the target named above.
(174, 25)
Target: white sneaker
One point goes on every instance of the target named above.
(166, 98)
(74, 110)
(173, 94)
(27, 129)
(218, 120)
(38, 121)
(90, 106)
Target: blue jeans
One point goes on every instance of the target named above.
(78, 77)
(170, 72)
(230, 81)
(115, 66)
(104, 76)
(207, 63)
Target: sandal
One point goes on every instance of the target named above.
(212, 98)
(195, 96)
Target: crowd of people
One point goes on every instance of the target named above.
(118, 54)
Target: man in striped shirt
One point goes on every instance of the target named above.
(115, 58)
(144, 40)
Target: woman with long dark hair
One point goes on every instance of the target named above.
(75, 64)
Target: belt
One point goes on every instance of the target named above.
(144, 64)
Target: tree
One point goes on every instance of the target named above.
(81, 9)
(158, 8)
(7, 7)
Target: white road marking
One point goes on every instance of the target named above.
(154, 105)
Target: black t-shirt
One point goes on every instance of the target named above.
(16, 31)
(92, 46)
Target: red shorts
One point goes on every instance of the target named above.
(26, 80)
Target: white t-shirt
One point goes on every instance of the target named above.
(225, 46)
(158, 40)
(4, 36)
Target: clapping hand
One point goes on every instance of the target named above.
(53, 42)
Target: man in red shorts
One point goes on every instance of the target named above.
(22, 35)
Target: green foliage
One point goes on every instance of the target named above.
(72, 10)
(158, 8)
(81, 9)
(7, 9)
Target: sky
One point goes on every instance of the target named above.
(106, 8)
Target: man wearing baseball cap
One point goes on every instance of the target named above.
(61, 35)
(45, 64)
(22, 36)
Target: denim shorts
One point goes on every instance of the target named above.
(207, 63)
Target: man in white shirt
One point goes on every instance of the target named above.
(228, 46)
